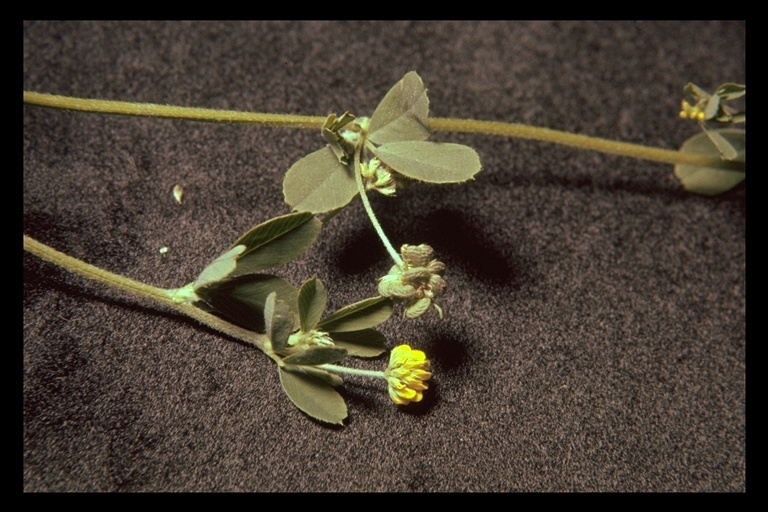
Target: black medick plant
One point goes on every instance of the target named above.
(238, 295)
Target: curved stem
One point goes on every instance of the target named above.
(367, 205)
(438, 124)
(161, 295)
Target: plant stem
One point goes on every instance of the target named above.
(161, 295)
(582, 141)
(352, 371)
(367, 205)
(438, 124)
(170, 111)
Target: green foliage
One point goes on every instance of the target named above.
(276, 242)
(712, 180)
(713, 105)
(316, 355)
(278, 321)
(403, 114)
(241, 300)
(312, 392)
(312, 300)
(231, 285)
(358, 316)
(319, 183)
(362, 343)
(326, 179)
(267, 245)
(430, 161)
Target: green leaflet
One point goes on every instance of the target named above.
(317, 355)
(319, 183)
(278, 321)
(731, 91)
(402, 114)
(434, 162)
(364, 343)
(276, 242)
(242, 299)
(314, 395)
(312, 301)
(711, 180)
(269, 244)
(360, 315)
(722, 145)
(220, 268)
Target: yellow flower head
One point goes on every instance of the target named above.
(407, 372)
(689, 111)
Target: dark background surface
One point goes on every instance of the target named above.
(594, 337)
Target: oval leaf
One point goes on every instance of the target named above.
(319, 183)
(220, 268)
(360, 315)
(276, 242)
(317, 355)
(724, 147)
(365, 343)
(330, 378)
(242, 300)
(434, 162)
(711, 180)
(402, 114)
(312, 301)
(278, 321)
(731, 91)
(314, 396)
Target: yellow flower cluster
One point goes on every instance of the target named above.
(406, 375)
(692, 112)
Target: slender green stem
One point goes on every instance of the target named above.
(161, 295)
(438, 124)
(170, 111)
(367, 205)
(352, 371)
(581, 141)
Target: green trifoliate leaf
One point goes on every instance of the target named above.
(319, 183)
(402, 114)
(360, 315)
(220, 268)
(312, 301)
(711, 180)
(276, 242)
(731, 91)
(278, 320)
(365, 343)
(242, 299)
(314, 396)
(434, 162)
(317, 355)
